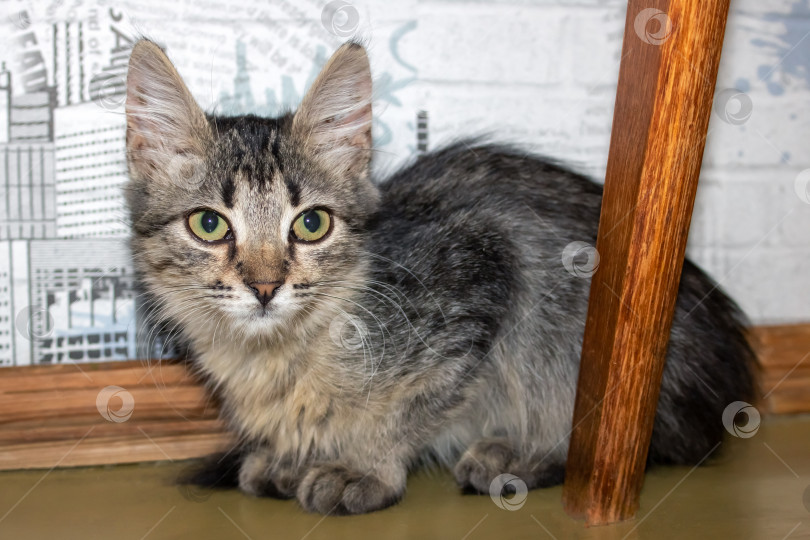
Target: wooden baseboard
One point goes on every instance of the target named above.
(55, 415)
(49, 415)
(784, 354)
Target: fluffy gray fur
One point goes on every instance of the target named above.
(434, 321)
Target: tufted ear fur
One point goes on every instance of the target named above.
(165, 126)
(334, 119)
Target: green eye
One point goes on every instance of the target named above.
(208, 225)
(311, 225)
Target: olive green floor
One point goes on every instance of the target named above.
(757, 489)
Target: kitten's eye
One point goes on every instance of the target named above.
(311, 225)
(208, 225)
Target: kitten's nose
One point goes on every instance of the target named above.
(264, 290)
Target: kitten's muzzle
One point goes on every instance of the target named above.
(264, 290)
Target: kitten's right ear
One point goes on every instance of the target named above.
(163, 120)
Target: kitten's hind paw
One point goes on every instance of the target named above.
(336, 490)
(485, 460)
(482, 463)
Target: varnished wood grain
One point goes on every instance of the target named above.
(92, 450)
(72, 429)
(662, 111)
(187, 399)
(95, 375)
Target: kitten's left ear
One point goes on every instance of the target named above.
(334, 119)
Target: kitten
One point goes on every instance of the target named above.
(355, 329)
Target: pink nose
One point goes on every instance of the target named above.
(264, 290)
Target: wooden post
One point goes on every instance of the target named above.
(670, 55)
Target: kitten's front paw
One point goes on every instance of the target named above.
(336, 490)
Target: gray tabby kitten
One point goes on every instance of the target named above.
(354, 329)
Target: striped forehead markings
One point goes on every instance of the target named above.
(252, 148)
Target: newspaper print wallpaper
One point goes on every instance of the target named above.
(66, 283)
(541, 74)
